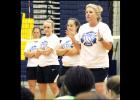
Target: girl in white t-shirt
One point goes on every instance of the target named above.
(48, 60)
(32, 64)
(94, 40)
(70, 57)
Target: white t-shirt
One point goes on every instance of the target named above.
(52, 42)
(69, 60)
(32, 46)
(93, 54)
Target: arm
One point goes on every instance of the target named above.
(29, 54)
(37, 54)
(71, 52)
(75, 43)
(46, 52)
(107, 45)
(105, 38)
(61, 52)
(32, 54)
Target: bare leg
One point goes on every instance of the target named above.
(43, 88)
(101, 88)
(32, 85)
(54, 88)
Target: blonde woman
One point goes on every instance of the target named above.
(94, 40)
(48, 59)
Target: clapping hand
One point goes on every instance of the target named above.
(99, 36)
(69, 33)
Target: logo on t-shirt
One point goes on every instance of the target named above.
(89, 38)
(44, 44)
(67, 44)
(33, 48)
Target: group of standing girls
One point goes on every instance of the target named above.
(43, 64)
(84, 45)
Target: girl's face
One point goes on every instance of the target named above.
(36, 33)
(90, 14)
(71, 26)
(48, 29)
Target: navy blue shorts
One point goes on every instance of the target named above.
(47, 74)
(100, 74)
(31, 73)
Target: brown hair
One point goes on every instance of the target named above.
(77, 23)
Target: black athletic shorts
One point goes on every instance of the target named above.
(31, 73)
(47, 74)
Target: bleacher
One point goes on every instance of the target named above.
(76, 9)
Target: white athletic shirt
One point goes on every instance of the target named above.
(52, 42)
(32, 46)
(93, 54)
(69, 60)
